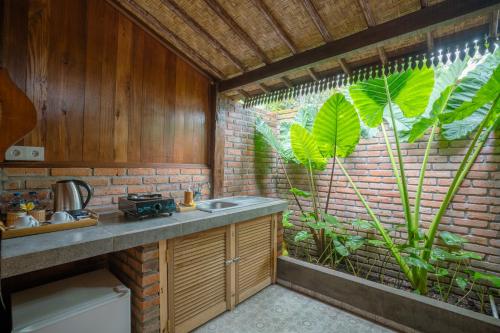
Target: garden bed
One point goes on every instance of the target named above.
(398, 309)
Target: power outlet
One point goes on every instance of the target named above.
(25, 153)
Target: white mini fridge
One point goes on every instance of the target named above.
(91, 302)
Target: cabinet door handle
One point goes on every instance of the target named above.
(237, 259)
(228, 262)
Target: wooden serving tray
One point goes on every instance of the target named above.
(44, 228)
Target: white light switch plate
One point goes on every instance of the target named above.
(25, 153)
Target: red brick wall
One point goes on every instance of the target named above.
(248, 170)
(108, 183)
(474, 213)
(138, 269)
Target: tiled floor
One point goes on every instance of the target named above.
(277, 309)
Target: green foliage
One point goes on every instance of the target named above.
(302, 236)
(300, 193)
(452, 239)
(362, 224)
(268, 135)
(461, 282)
(337, 127)
(332, 220)
(305, 148)
(455, 100)
(485, 277)
(417, 262)
(410, 90)
(285, 221)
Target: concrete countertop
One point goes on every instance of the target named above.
(116, 232)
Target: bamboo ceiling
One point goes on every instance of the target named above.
(227, 38)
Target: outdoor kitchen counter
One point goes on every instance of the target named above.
(116, 232)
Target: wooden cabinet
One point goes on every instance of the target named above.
(207, 273)
(254, 257)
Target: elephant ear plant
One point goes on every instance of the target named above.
(310, 141)
(460, 99)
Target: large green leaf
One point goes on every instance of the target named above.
(267, 133)
(446, 78)
(337, 127)
(410, 90)
(472, 98)
(305, 148)
(477, 87)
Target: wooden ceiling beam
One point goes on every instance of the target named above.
(264, 88)
(286, 81)
(153, 22)
(227, 19)
(446, 12)
(494, 23)
(277, 27)
(312, 73)
(382, 55)
(345, 67)
(318, 22)
(243, 93)
(196, 27)
(367, 13)
(430, 41)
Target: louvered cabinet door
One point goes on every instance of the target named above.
(198, 278)
(255, 256)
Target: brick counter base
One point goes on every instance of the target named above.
(138, 269)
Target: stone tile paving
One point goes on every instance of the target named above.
(277, 309)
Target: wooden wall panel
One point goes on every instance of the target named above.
(105, 91)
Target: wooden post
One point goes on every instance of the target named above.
(162, 247)
(218, 142)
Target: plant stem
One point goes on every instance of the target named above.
(421, 178)
(412, 232)
(467, 293)
(387, 239)
(290, 184)
(331, 177)
(457, 268)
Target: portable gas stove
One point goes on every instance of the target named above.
(146, 205)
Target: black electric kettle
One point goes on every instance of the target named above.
(68, 195)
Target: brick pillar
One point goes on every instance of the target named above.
(138, 269)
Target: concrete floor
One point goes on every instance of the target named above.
(277, 309)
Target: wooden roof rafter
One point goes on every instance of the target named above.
(312, 73)
(429, 39)
(277, 27)
(286, 82)
(367, 13)
(494, 23)
(318, 22)
(195, 26)
(227, 19)
(382, 55)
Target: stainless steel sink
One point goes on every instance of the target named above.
(227, 203)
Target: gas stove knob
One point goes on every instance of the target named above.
(157, 207)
